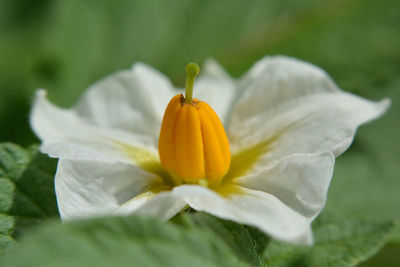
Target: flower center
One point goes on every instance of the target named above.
(193, 145)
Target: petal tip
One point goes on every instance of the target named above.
(213, 68)
(40, 94)
(385, 104)
(379, 109)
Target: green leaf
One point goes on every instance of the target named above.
(129, 241)
(202, 240)
(339, 241)
(388, 256)
(247, 243)
(26, 191)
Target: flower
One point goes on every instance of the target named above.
(286, 121)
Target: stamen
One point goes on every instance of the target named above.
(193, 145)
(192, 70)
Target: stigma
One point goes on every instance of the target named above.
(193, 145)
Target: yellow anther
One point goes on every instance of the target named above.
(193, 145)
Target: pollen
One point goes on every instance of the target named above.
(193, 145)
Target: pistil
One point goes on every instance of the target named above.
(192, 70)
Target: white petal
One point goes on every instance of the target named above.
(87, 188)
(64, 134)
(124, 108)
(134, 100)
(299, 181)
(312, 124)
(275, 79)
(163, 205)
(251, 207)
(298, 109)
(215, 87)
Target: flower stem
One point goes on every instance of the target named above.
(192, 70)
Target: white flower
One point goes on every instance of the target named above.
(286, 121)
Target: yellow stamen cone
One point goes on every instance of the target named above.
(193, 145)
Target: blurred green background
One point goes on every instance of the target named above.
(64, 46)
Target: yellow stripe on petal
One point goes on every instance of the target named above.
(243, 161)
